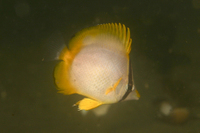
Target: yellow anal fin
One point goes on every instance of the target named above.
(114, 87)
(88, 104)
(61, 75)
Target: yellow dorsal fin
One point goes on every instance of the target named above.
(87, 104)
(119, 31)
(114, 87)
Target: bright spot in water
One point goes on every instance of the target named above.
(165, 108)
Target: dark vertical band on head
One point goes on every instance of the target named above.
(130, 82)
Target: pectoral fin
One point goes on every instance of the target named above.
(114, 87)
(87, 104)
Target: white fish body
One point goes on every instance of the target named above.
(96, 66)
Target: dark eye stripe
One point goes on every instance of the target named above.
(130, 82)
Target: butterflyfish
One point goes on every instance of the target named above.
(96, 64)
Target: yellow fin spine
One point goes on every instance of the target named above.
(120, 31)
(124, 34)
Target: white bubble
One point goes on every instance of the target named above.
(101, 110)
(165, 108)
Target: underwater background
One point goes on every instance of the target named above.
(165, 56)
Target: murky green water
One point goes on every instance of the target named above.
(165, 55)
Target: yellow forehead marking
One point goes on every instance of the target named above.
(114, 87)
